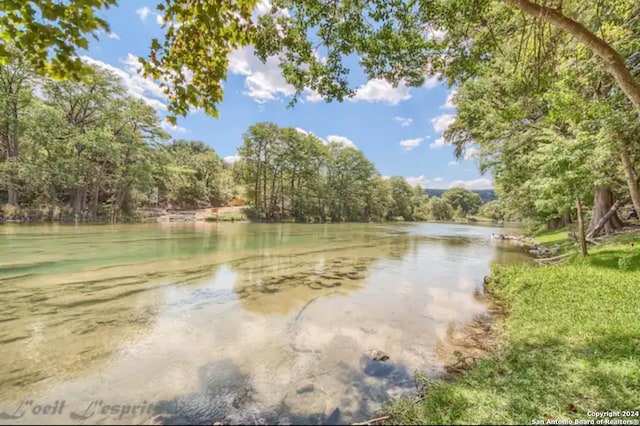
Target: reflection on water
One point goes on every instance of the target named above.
(229, 322)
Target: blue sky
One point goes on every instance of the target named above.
(399, 129)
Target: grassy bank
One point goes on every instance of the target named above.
(569, 344)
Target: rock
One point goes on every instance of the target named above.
(329, 277)
(270, 289)
(374, 368)
(332, 284)
(378, 355)
(305, 388)
(315, 286)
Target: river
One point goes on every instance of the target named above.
(231, 322)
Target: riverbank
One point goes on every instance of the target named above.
(568, 345)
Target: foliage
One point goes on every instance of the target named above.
(88, 150)
(191, 63)
(464, 200)
(47, 34)
(493, 210)
(440, 209)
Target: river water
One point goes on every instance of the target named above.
(251, 323)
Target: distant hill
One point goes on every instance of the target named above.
(486, 195)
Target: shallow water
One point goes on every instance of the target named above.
(252, 323)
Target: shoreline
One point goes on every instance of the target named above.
(557, 348)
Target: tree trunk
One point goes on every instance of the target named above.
(78, 198)
(559, 222)
(12, 155)
(12, 192)
(613, 62)
(631, 176)
(583, 238)
(603, 201)
(604, 219)
(553, 224)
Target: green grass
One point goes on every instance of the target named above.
(569, 344)
(227, 217)
(551, 238)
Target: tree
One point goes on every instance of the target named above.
(15, 96)
(402, 194)
(463, 199)
(380, 199)
(47, 34)
(493, 210)
(439, 209)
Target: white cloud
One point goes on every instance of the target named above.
(409, 144)
(440, 183)
(431, 82)
(438, 143)
(264, 82)
(230, 159)
(341, 140)
(481, 183)
(442, 122)
(312, 96)
(379, 90)
(113, 36)
(404, 122)
(136, 85)
(452, 163)
(436, 182)
(305, 132)
(143, 12)
(449, 103)
(415, 181)
(471, 153)
(168, 127)
(159, 19)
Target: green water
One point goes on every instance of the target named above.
(206, 322)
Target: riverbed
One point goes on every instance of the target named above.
(236, 322)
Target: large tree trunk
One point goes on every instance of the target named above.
(595, 230)
(581, 233)
(631, 175)
(602, 204)
(78, 199)
(13, 152)
(559, 222)
(12, 191)
(613, 62)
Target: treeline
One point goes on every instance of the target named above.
(87, 151)
(291, 175)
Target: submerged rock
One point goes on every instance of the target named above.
(376, 364)
(305, 388)
(378, 355)
(315, 286)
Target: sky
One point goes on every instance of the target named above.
(398, 129)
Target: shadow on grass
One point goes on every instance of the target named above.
(611, 258)
(535, 382)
